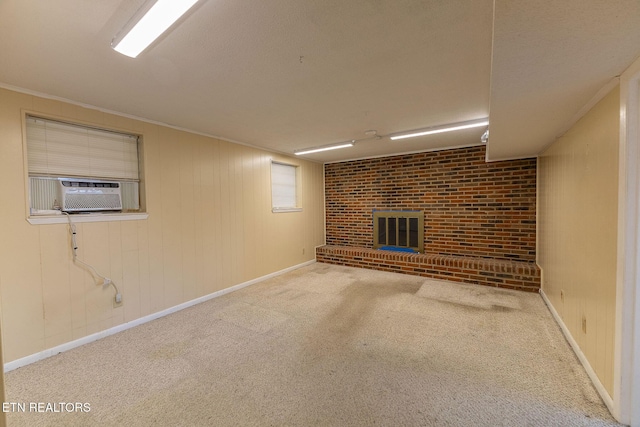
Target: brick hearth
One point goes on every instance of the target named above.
(519, 275)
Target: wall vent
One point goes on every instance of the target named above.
(85, 195)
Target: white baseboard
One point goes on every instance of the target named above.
(15, 364)
(606, 398)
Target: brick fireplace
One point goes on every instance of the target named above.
(479, 216)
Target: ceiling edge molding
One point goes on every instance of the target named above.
(141, 119)
(452, 147)
(604, 91)
(506, 159)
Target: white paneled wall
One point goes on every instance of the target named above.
(577, 231)
(209, 227)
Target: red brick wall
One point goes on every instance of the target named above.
(524, 276)
(472, 208)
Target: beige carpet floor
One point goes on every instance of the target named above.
(326, 345)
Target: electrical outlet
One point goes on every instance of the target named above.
(584, 324)
(117, 301)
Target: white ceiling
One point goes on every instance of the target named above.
(290, 74)
(550, 59)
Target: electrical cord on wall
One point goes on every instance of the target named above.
(94, 273)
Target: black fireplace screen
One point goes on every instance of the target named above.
(400, 229)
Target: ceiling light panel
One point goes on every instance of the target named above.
(158, 18)
(440, 129)
(324, 148)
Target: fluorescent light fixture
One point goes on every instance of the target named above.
(156, 18)
(440, 129)
(324, 148)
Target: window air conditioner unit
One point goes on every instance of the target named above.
(89, 195)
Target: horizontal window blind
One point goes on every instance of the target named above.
(63, 149)
(283, 186)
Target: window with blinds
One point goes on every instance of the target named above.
(60, 150)
(284, 188)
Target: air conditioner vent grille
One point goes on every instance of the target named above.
(89, 195)
(92, 202)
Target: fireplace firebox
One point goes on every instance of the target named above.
(398, 230)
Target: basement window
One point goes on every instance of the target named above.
(285, 192)
(398, 230)
(58, 150)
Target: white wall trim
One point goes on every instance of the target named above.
(128, 325)
(627, 324)
(93, 217)
(606, 398)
